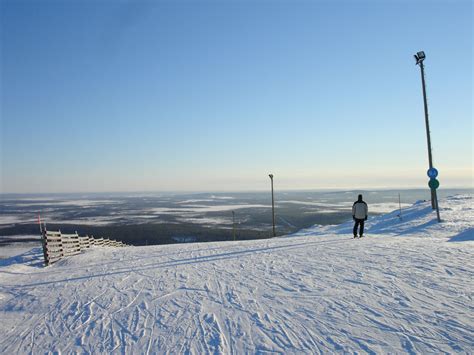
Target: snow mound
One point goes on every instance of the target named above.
(419, 220)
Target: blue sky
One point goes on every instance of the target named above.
(214, 95)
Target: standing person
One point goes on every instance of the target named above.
(359, 215)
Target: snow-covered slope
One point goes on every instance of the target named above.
(457, 216)
(407, 287)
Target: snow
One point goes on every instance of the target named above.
(204, 208)
(21, 236)
(387, 207)
(11, 219)
(212, 199)
(14, 249)
(457, 214)
(91, 221)
(222, 197)
(207, 220)
(405, 288)
(194, 201)
(13, 245)
(51, 202)
(336, 207)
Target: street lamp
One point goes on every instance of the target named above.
(273, 206)
(432, 172)
(420, 57)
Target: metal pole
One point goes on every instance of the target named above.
(434, 197)
(427, 123)
(273, 207)
(233, 224)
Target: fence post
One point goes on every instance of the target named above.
(61, 241)
(45, 248)
(78, 241)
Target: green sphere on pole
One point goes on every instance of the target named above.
(433, 184)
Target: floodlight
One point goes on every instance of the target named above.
(420, 57)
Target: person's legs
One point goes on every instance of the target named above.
(356, 225)
(361, 227)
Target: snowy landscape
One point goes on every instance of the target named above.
(179, 177)
(164, 218)
(406, 287)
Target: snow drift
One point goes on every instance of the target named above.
(406, 287)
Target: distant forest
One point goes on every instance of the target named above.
(170, 233)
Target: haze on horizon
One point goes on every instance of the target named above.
(213, 96)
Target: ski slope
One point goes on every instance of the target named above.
(405, 288)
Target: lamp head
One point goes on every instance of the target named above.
(271, 176)
(420, 57)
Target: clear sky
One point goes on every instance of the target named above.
(214, 95)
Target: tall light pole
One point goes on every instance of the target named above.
(432, 172)
(273, 206)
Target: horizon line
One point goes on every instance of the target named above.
(177, 192)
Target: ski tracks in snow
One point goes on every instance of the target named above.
(285, 295)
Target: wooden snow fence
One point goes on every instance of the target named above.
(57, 245)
